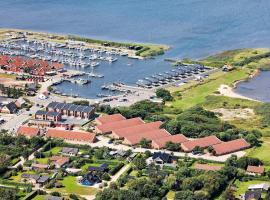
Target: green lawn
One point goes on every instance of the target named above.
(170, 195)
(17, 178)
(133, 173)
(39, 197)
(243, 186)
(97, 163)
(42, 160)
(261, 152)
(196, 93)
(71, 186)
(54, 151)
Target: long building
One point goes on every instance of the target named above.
(109, 127)
(69, 109)
(159, 143)
(201, 142)
(105, 119)
(149, 135)
(230, 147)
(72, 135)
(134, 130)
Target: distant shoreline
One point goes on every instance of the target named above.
(134, 50)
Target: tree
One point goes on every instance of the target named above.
(252, 139)
(164, 94)
(139, 162)
(172, 146)
(144, 143)
(187, 195)
(8, 194)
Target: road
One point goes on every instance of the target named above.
(104, 142)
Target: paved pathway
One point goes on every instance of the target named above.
(103, 141)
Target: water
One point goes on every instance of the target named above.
(256, 88)
(193, 28)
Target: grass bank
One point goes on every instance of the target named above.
(143, 50)
(133, 49)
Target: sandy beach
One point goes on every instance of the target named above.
(226, 90)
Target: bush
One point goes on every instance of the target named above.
(115, 169)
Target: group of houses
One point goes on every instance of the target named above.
(10, 106)
(80, 136)
(27, 65)
(56, 111)
(132, 131)
(256, 192)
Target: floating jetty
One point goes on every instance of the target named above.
(77, 81)
(179, 73)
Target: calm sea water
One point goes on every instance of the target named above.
(193, 28)
(256, 88)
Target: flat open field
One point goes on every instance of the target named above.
(195, 93)
(243, 186)
(261, 152)
(72, 187)
(147, 50)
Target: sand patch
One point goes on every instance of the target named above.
(234, 114)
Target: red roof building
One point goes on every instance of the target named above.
(206, 167)
(109, 127)
(201, 142)
(105, 119)
(230, 147)
(149, 135)
(28, 131)
(159, 143)
(72, 135)
(255, 170)
(134, 130)
(59, 161)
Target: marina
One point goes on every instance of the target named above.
(74, 55)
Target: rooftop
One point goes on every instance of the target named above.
(207, 167)
(149, 135)
(231, 146)
(71, 135)
(28, 131)
(105, 128)
(161, 142)
(255, 169)
(138, 129)
(110, 118)
(201, 142)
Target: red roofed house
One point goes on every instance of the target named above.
(72, 135)
(28, 131)
(59, 161)
(134, 130)
(149, 135)
(159, 143)
(105, 119)
(201, 142)
(109, 127)
(230, 147)
(206, 167)
(255, 170)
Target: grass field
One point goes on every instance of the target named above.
(3, 75)
(261, 152)
(195, 93)
(54, 151)
(170, 195)
(72, 187)
(243, 186)
(17, 178)
(39, 197)
(44, 161)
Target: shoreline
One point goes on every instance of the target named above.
(146, 50)
(229, 91)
